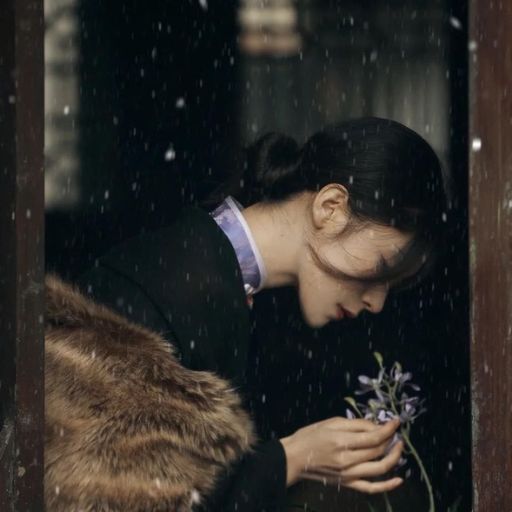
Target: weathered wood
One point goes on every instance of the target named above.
(490, 201)
(21, 255)
(6, 466)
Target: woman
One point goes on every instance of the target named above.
(355, 212)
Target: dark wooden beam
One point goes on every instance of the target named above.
(490, 202)
(21, 254)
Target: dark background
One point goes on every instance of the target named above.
(404, 60)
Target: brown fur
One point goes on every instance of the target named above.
(127, 427)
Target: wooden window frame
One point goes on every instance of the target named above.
(21, 255)
(490, 251)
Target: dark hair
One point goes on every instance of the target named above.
(392, 174)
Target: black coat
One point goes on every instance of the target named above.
(185, 282)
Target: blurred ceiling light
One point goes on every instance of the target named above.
(269, 27)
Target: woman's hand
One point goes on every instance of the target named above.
(341, 451)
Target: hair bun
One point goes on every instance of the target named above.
(271, 159)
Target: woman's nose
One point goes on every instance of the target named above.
(375, 297)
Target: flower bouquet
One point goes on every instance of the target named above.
(392, 400)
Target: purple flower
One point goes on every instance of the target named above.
(411, 408)
(396, 438)
(401, 378)
(386, 405)
(384, 416)
(350, 414)
(382, 408)
(367, 384)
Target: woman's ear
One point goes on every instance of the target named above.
(330, 212)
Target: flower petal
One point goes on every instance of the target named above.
(364, 379)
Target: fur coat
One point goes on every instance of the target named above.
(127, 427)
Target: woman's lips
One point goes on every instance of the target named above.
(342, 313)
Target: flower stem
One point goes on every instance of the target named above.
(405, 435)
(389, 508)
(406, 438)
(361, 415)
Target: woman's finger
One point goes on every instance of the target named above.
(347, 424)
(373, 487)
(374, 468)
(362, 468)
(344, 459)
(356, 425)
(371, 438)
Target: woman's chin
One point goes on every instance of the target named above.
(316, 321)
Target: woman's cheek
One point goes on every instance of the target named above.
(313, 307)
(314, 296)
(307, 304)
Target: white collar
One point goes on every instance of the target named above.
(228, 216)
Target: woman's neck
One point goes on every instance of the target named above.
(278, 233)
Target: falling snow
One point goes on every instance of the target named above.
(170, 154)
(455, 23)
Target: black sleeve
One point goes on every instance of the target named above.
(256, 483)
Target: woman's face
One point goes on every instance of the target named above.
(331, 272)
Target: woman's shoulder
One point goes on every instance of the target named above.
(191, 238)
(187, 274)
